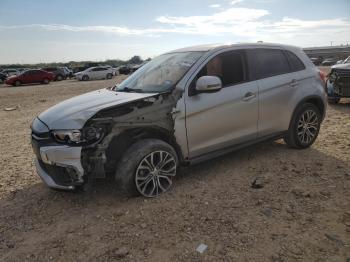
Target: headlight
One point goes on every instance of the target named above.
(87, 135)
(38, 126)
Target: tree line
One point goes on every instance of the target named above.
(71, 64)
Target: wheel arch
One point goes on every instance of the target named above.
(121, 142)
(315, 100)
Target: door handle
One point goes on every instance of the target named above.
(248, 96)
(294, 83)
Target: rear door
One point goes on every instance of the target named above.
(277, 85)
(37, 76)
(26, 77)
(93, 73)
(102, 73)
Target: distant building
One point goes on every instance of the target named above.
(336, 52)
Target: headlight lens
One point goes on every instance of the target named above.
(88, 134)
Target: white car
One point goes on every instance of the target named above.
(114, 70)
(344, 65)
(10, 72)
(95, 73)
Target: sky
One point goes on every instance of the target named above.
(62, 31)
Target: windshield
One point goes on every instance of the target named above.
(160, 74)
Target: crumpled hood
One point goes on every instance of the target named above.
(342, 66)
(74, 112)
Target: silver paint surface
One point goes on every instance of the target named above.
(74, 112)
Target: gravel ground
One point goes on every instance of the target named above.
(300, 213)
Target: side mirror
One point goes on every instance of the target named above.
(207, 84)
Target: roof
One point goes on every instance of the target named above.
(208, 47)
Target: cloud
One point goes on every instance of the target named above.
(214, 6)
(62, 27)
(234, 2)
(231, 16)
(243, 24)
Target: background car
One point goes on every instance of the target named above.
(2, 77)
(329, 62)
(95, 73)
(342, 63)
(10, 72)
(58, 72)
(114, 70)
(68, 72)
(338, 84)
(124, 70)
(30, 77)
(316, 60)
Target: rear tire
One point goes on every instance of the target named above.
(46, 81)
(59, 78)
(109, 76)
(147, 168)
(85, 78)
(304, 127)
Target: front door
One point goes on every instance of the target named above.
(227, 117)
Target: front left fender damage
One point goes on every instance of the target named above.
(150, 117)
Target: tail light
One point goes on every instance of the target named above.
(323, 76)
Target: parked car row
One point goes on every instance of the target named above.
(319, 61)
(18, 77)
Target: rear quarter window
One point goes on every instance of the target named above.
(270, 62)
(295, 63)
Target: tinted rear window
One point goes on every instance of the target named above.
(270, 62)
(295, 62)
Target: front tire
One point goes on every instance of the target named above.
(85, 78)
(304, 127)
(109, 76)
(46, 81)
(17, 83)
(147, 168)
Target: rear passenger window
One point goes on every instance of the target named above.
(270, 62)
(294, 62)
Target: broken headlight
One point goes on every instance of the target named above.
(86, 135)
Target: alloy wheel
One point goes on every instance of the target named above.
(154, 173)
(308, 125)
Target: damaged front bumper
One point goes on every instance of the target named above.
(59, 166)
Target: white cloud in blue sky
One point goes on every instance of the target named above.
(164, 27)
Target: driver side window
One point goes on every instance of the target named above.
(228, 66)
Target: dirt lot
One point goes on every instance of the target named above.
(302, 213)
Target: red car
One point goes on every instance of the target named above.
(30, 77)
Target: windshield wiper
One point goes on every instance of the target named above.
(130, 90)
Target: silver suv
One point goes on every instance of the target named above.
(183, 107)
